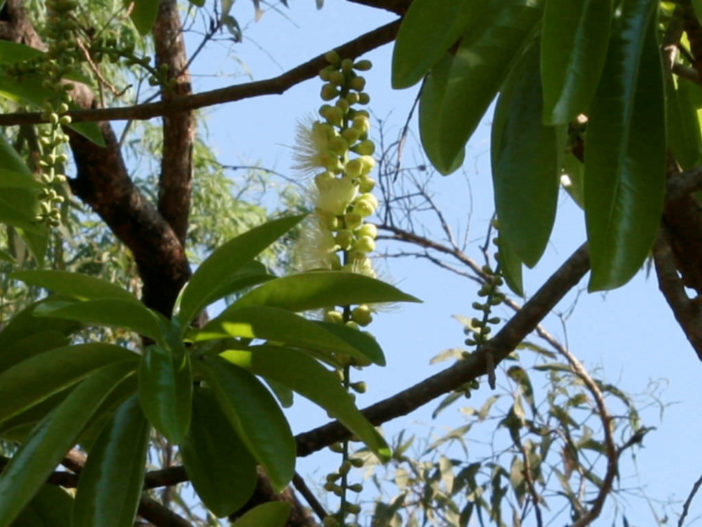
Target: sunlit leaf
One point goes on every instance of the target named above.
(74, 285)
(143, 14)
(319, 289)
(625, 151)
(427, 31)
(525, 163)
(311, 380)
(214, 276)
(273, 514)
(574, 39)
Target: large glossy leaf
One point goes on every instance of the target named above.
(625, 150)
(368, 348)
(143, 14)
(525, 162)
(14, 52)
(255, 416)
(51, 439)
(213, 277)
(277, 325)
(40, 376)
(218, 464)
(273, 514)
(110, 483)
(510, 267)
(165, 390)
(428, 30)
(493, 39)
(51, 507)
(17, 428)
(430, 105)
(574, 39)
(74, 285)
(318, 289)
(111, 312)
(311, 380)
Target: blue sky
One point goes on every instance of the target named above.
(629, 333)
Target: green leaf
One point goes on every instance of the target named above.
(74, 285)
(273, 514)
(683, 113)
(525, 163)
(311, 380)
(51, 439)
(143, 14)
(40, 376)
(625, 151)
(51, 507)
(165, 390)
(574, 39)
(278, 325)
(214, 277)
(13, 52)
(510, 267)
(218, 464)
(431, 100)
(255, 416)
(428, 29)
(111, 312)
(110, 483)
(368, 349)
(10, 160)
(318, 289)
(495, 37)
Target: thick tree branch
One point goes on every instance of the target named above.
(477, 364)
(273, 86)
(178, 128)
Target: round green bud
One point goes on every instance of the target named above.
(332, 57)
(363, 65)
(329, 92)
(352, 220)
(356, 487)
(362, 315)
(351, 135)
(359, 387)
(333, 316)
(347, 65)
(353, 325)
(357, 462)
(357, 83)
(354, 168)
(343, 105)
(325, 73)
(337, 78)
(352, 97)
(361, 123)
(338, 145)
(363, 98)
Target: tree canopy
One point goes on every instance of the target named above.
(154, 308)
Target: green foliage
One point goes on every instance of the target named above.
(596, 65)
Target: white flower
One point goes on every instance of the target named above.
(315, 146)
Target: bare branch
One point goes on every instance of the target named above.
(275, 85)
(688, 501)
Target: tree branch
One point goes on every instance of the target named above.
(178, 128)
(275, 85)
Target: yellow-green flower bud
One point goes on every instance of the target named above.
(365, 148)
(352, 221)
(364, 244)
(338, 145)
(343, 105)
(361, 123)
(344, 238)
(365, 205)
(354, 168)
(363, 98)
(366, 184)
(362, 315)
(352, 97)
(351, 135)
(368, 229)
(337, 78)
(347, 65)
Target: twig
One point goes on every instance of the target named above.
(688, 501)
